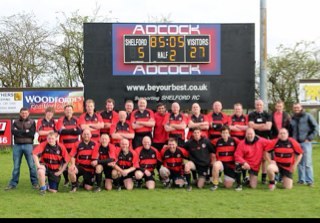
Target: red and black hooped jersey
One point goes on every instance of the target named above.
(148, 158)
(70, 134)
(82, 152)
(200, 118)
(103, 153)
(108, 117)
(238, 120)
(52, 156)
(216, 121)
(45, 125)
(284, 152)
(174, 161)
(176, 119)
(225, 150)
(120, 128)
(125, 161)
(94, 119)
(146, 115)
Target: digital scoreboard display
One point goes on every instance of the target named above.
(166, 48)
(170, 62)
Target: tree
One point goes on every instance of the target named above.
(68, 55)
(24, 50)
(288, 67)
(161, 19)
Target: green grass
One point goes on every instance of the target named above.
(24, 202)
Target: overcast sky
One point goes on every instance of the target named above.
(288, 21)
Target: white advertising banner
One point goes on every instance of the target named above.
(309, 93)
(11, 102)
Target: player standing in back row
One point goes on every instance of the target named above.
(142, 121)
(261, 122)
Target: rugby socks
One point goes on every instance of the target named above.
(43, 188)
(138, 183)
(99, 179)
(65, 175)
(238, 178)
(209, 174)
(116, 182)
(264, 177)
(74, 185)
(244, 174)
(158, 169)
(194, 174)
(188, 178)
(272, 182)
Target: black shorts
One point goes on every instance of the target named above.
(130, 175)
(228, 171)
(148, 178)
(53, 180)
(175, 175)
(255, 173)
(202, 171)
(88, 177)
(284, 172)
(107, 170)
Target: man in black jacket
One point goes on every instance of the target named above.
(23, 130)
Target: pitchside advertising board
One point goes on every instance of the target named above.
(38, 99)
(5, 132)
(309, 93)
(186, 63)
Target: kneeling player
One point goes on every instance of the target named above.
(126, 165)
(224, 148)
(287, 155)
(104, 160)
(54, 159)
(80, 164)
(149, 157)
(200, 154)
(249, 154)
(172, 164)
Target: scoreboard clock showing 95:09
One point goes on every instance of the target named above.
(166, 48)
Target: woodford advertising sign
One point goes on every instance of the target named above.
(38, 99)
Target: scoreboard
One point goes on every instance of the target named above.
(169, 62)
(166, 48)
(158, 49)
